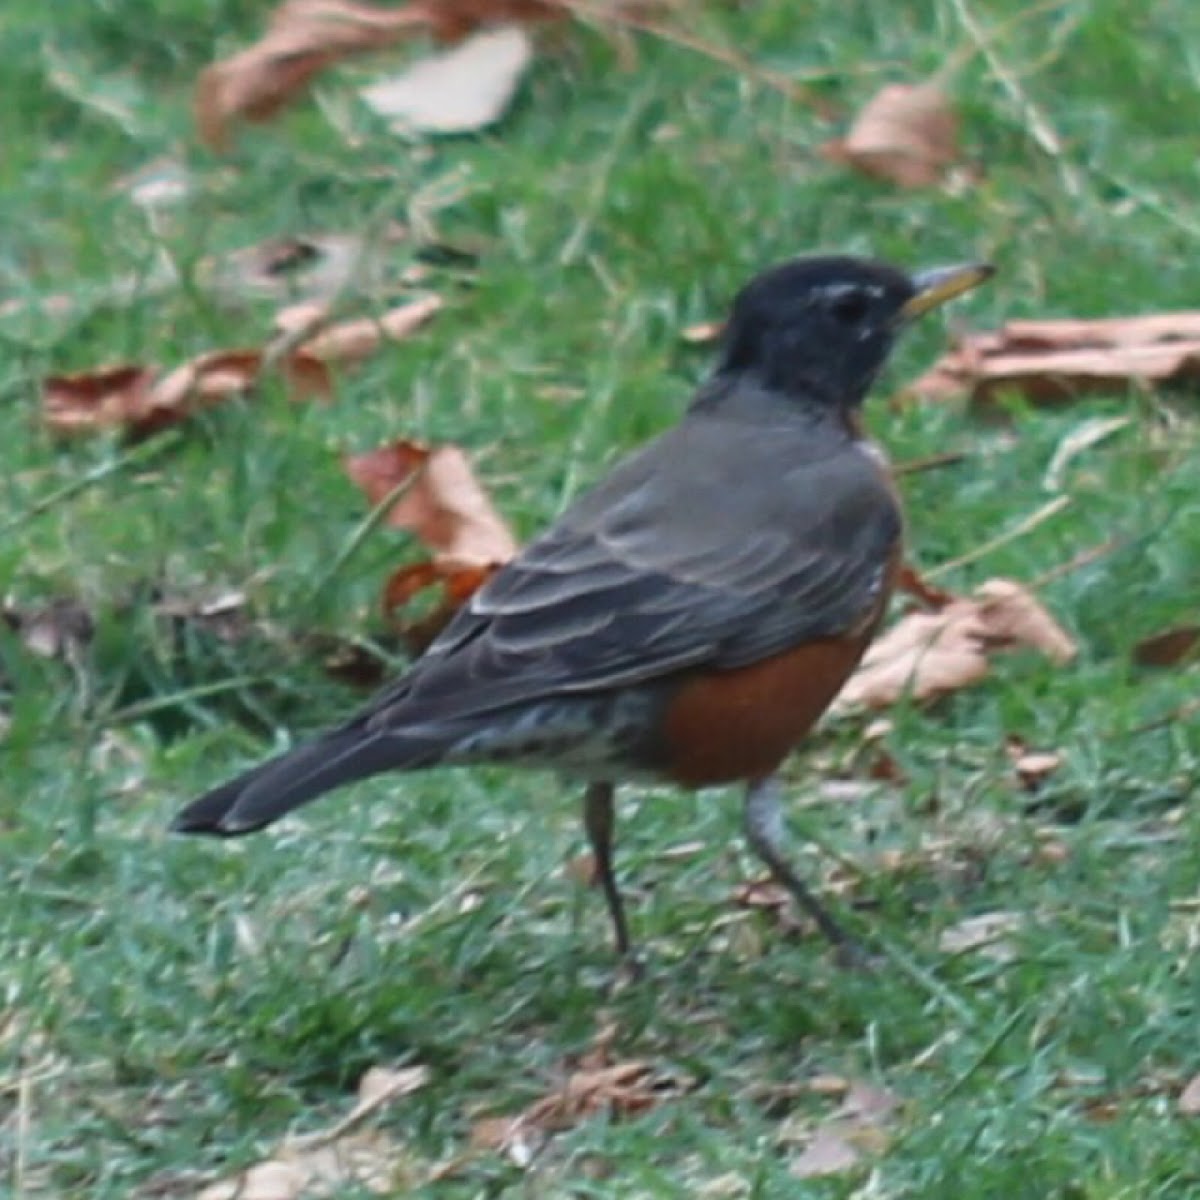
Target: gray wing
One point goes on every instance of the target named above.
(660, 570)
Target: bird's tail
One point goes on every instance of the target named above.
(267, 792)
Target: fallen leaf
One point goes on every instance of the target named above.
(1168, 648)
(1083, 437)
(444, 505)
(140, 401)
(1033, 766)
(326, 1171)
(61, 629)
(762, 894)
(1189, 1098)
(223, 374)
(927, 654)
(328, 1162)
(910, 581)
(907, 134)
(351, 341)
(595, 1084)
(828, 1153)
(855, 1129)
(307, 267)
(986, 932)
(305, 37)
(455, 586)
(1055, 360)
(456, 91)
(702, 333)
(108, 398)
(158, 185)
(445, 508)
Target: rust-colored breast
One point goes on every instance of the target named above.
(727, 726)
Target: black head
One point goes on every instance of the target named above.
(823, 327)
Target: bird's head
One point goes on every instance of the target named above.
(822, 327)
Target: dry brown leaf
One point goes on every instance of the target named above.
(857, 1128)
(1168, 648)
(306, 36)
(1189, 1098)
(367, 1161)
(328, 1162)
(351, 341)
(447, 510)
(927, 654)
(989, 933)
(907, 134)
(444, 506)
(459, 90)
(303, 38)
(594, 1084)
(140, 401)
(455, 586)
(1055, 360)
(828, 1153)
(109, 398)
(620, 1089)
(1032, 766)
(702, 333)
(60, 629)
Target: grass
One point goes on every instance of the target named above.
(169, 1010)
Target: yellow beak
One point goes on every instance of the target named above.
(936, 286)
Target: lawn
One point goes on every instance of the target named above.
(170, 1010)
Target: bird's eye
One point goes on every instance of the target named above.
(849, 306)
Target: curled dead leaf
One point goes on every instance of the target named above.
(596, 1083)
(1056, 360)
(331, 1161)
(702, 333)
(1189, 1098)
(444, 505)
(351, 341)
(304, 37)
(857, 1128)
(927, 654)
(990, 933)
(455, 586)
(907, 134)
(139, 401)
(1032, 766)
(1168, 648)
(448, 511)
(458, 90)
(61, 629)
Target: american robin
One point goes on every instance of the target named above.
(690, 618)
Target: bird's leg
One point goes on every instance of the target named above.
(598, 820)
(763, 822)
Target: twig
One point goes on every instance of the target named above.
(361, 532)
(128, 458)
(1082, 559)
(931, 462)
(725, 55)
(145, 708)
(1036, 124)
(1019, 530)
(571, 248)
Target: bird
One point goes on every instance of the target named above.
(688, 619)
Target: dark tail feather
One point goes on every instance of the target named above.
(267, 792)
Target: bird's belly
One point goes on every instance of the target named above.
(725, 726)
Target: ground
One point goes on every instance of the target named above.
(170, 1009)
